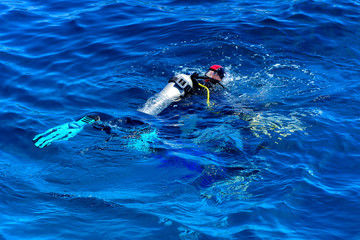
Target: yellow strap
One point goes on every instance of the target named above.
(208, 94)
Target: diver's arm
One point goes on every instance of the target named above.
(64, 132)
(194, 78)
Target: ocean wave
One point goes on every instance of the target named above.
(275, 156)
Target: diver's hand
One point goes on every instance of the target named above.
(61, 133)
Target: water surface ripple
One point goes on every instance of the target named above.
(275, 157)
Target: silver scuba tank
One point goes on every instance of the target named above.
(176, 88)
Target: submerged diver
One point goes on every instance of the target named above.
(178, 87)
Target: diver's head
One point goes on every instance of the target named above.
(215, 72)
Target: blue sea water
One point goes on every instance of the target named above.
(274, 157)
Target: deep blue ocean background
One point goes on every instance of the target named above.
(275, 157)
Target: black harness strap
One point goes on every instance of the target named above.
(181, 83)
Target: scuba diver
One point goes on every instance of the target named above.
(177, 88)
(183, 85)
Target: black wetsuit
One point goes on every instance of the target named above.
(204, 80)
